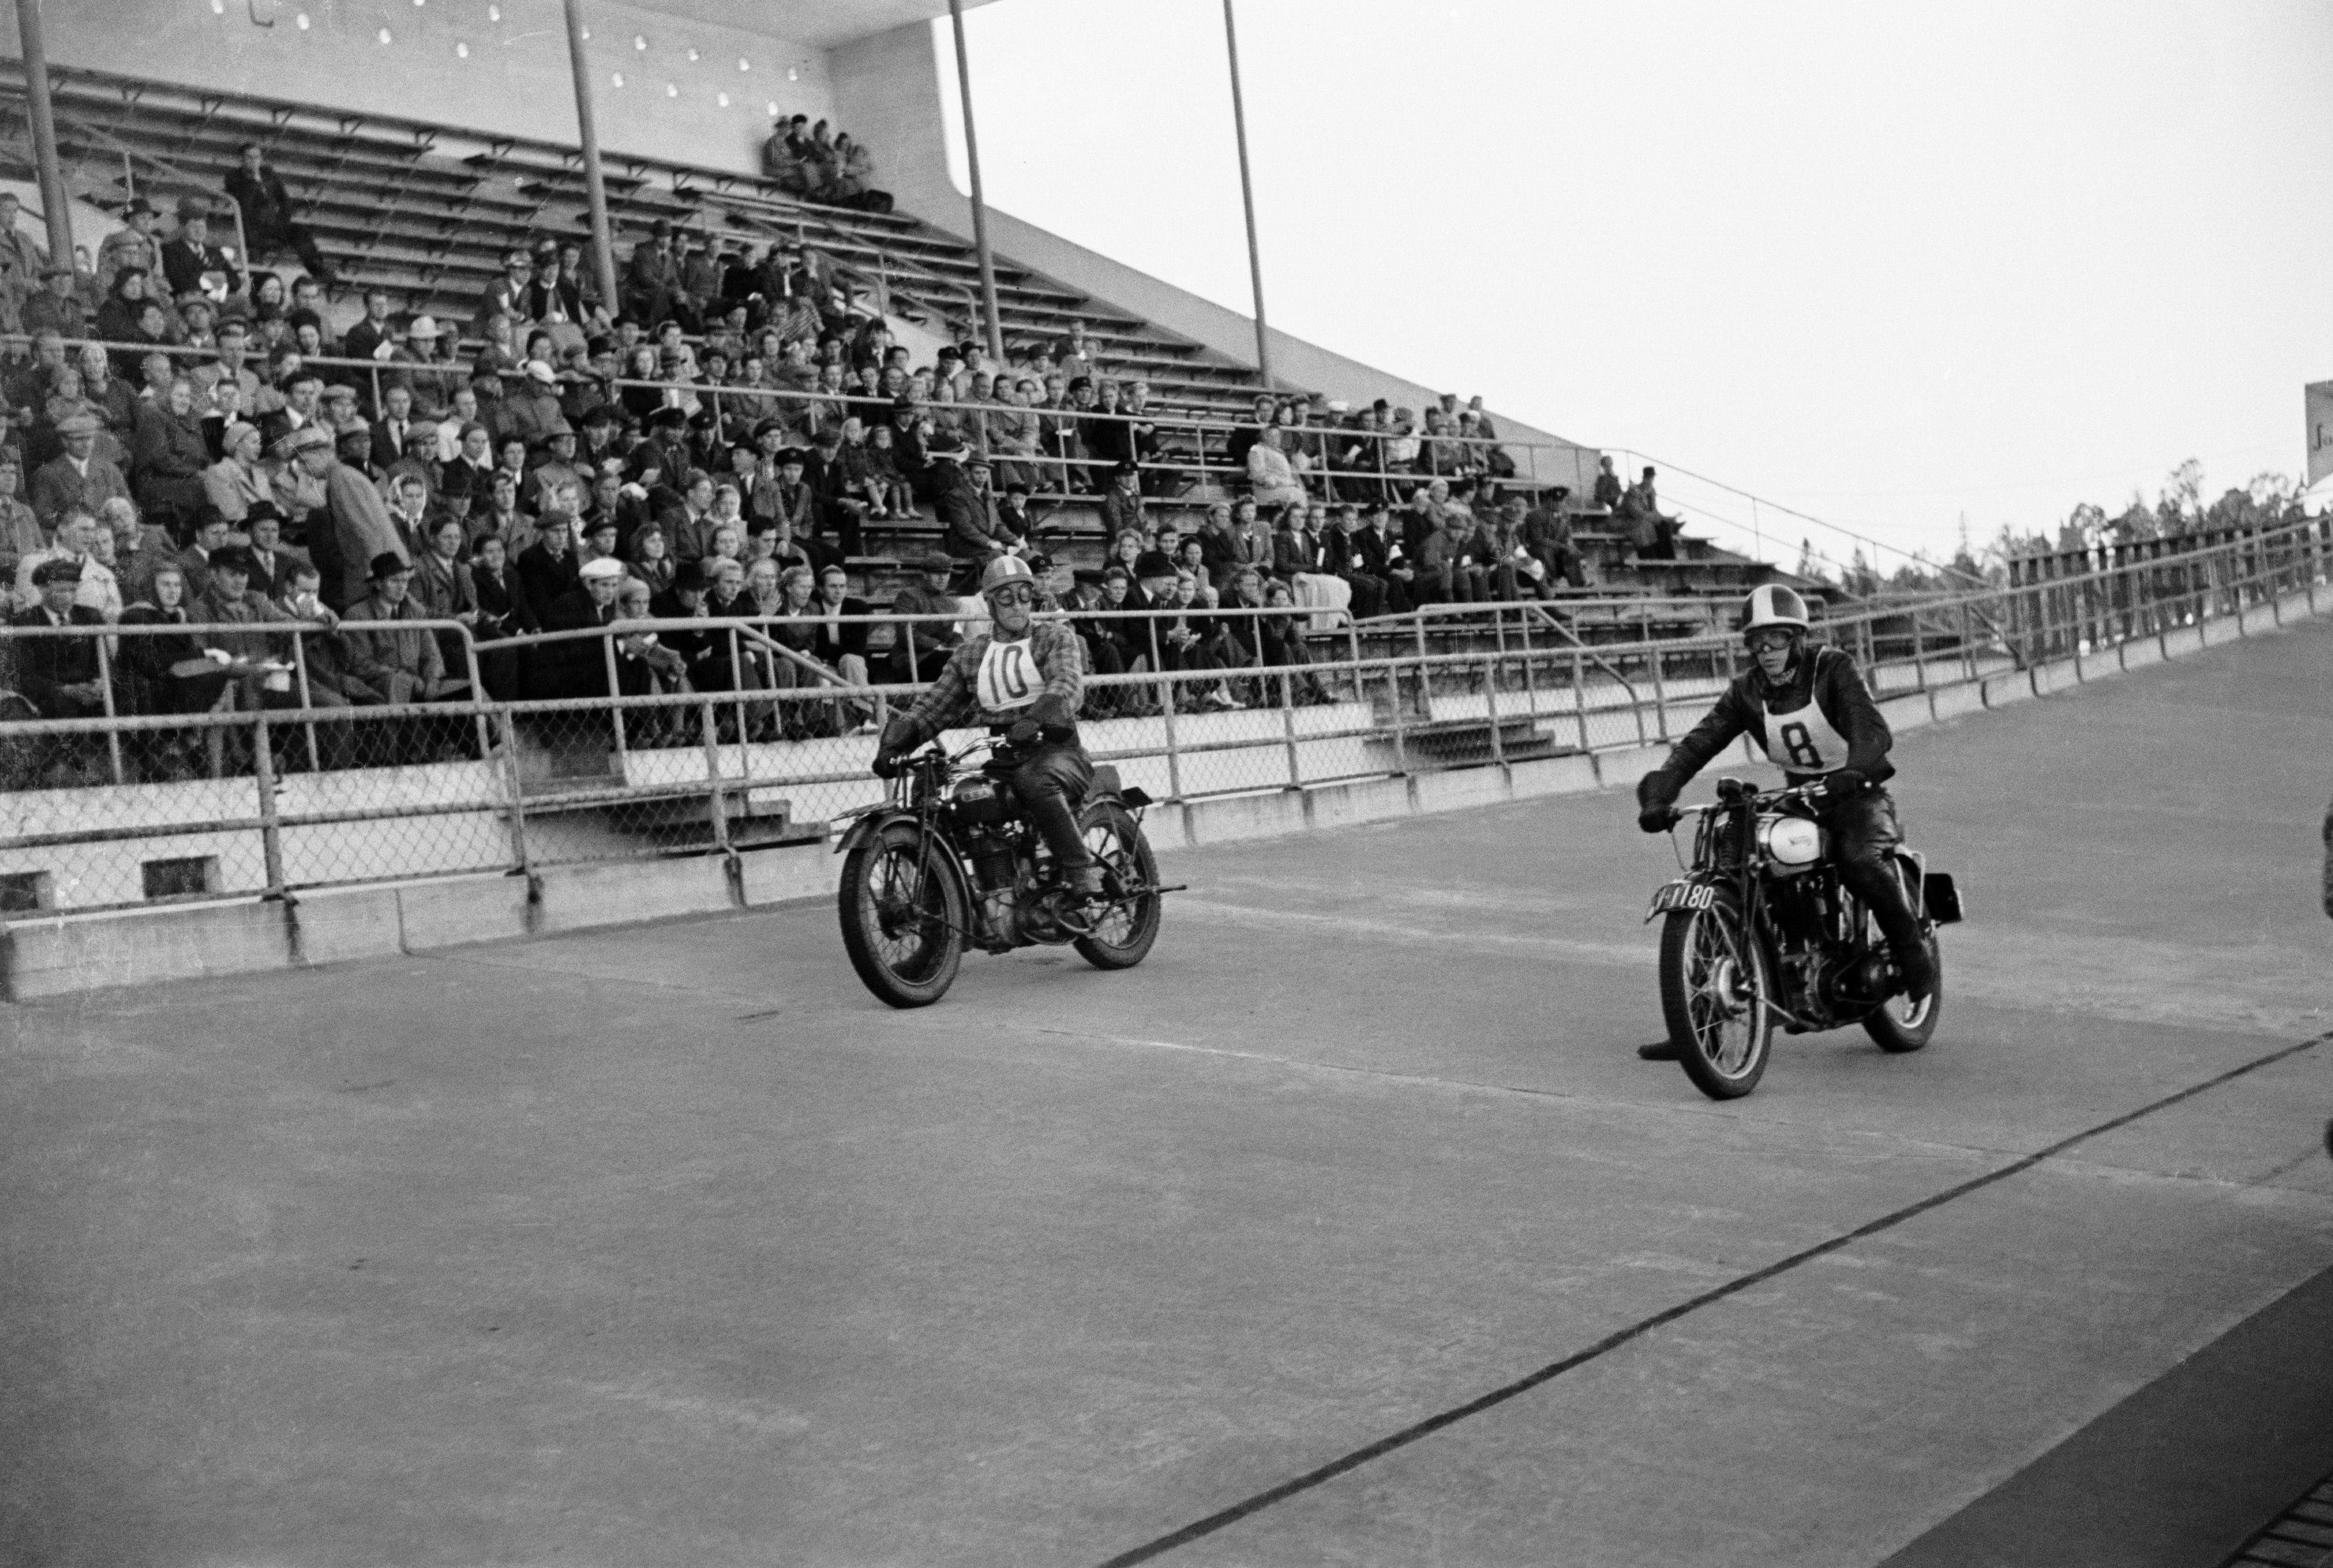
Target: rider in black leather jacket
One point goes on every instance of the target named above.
(1810, 712)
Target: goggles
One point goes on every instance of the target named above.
(1012, 594)
(1770, 637)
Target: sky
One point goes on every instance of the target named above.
(1893, 266)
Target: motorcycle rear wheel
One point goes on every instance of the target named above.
(1899, 1025)
(902, 916)
(1715, 986)
(1121, 937)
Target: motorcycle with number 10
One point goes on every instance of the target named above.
(1761, 931)
(948, 859)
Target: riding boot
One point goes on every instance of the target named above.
(1864, 836)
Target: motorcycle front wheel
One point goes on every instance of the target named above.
(903, 915)
(1714, 987)
(1122, 935)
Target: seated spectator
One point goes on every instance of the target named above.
(1271, 478)
(192, 264)
(272, 562)
(165, 672)
(403, 663)
(77, 478)
(168, 458)
(1342, 556)
(443, 589)
(371, 337)
(503, 611)
(129, 248)
(578, 666)
(57, 308)
(836, 644)
(1547, 534)
(1385, 556)
(236, 483)
(21, 533)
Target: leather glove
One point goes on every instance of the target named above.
(889, 764)
(1656, 794)
(1657, 818)
(1025, 735)
(1841, 784)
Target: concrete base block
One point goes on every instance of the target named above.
(345, 923)
(2181, 641)
(789, 875)
(90, 953)
(1999, 691)
(2140, 652)
(1951, 701)
(462, 909)
(1555, 776)
(1459, 789)
(1225, 819)
(1908, 713)
(1357, 801)
(2219, 630)
(1621, 770)
(619, 892)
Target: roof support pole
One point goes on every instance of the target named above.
(979, 205)
(54, 202)
(1247, 199)
(603, 242)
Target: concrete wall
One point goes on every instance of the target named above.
(886, 89)
(515, 79)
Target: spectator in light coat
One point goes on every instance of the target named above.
(1270, 479)
(77, 478)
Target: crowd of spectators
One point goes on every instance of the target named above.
(713, 442)
(803, 159)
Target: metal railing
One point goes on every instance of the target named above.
(535, 754)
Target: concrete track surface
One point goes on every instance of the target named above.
(1347, 1230)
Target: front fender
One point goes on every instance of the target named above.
(871, 823)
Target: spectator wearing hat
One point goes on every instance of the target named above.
(78, 478)
(168, 456)
(352, 528)
(652, 279)
(530, 407)
(1121, 506)
(57, 308)
(303, 405)
(237, 481)
(504, 296)
(74, 540)
(577, 667)
(191, 263)
(122, 313)
(269, 224)
(975, 533)
(552, 294)
(58, 675)
(919, 648)
(547, 563)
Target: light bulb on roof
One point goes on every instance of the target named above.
(620, 79)
(693, 54)
(672, 90)
(744, 63)
(722, 98)
(461, 51)
(383, 35)
(219, 7)
(638, 42)
(302, 20)
(792, 75)
(494, 13)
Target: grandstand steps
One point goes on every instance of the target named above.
(1462, 744)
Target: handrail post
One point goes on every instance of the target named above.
(1400, 736)
(478, 696)
(517, 783)
(1580, 697)
(1288, 724)
(271, 827)
(307, 701)
(105, 690)
(1660, 693)
(1491, 709)
(615, 709)
(1919, 658)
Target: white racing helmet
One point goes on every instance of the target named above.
(1773, 604)
(1005, 569)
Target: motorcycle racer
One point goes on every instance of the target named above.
(1024, 679)
(1812, 712)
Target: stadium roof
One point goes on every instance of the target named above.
(820, 23)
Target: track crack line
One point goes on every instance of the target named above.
(1248, 1507)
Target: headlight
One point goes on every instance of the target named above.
(1789, 840)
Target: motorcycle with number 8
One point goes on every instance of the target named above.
(947, 860)
(1762, 930)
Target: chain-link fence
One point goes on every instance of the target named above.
(183, 761)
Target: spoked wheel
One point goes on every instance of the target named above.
(1124, 928)
(1714, 993)
(902, 916)
(1900, 1023)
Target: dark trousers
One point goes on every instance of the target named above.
(296, 239)
(1051, 783)
(1863, 836)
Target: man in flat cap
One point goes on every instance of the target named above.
(651, 281)
(59, 676)
(351, 529)
(77, 478)
(920, 650)
(578, 666)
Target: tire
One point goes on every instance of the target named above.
(1896, 1026)
(906, 941)
(1714, 985)
(1122, 937)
